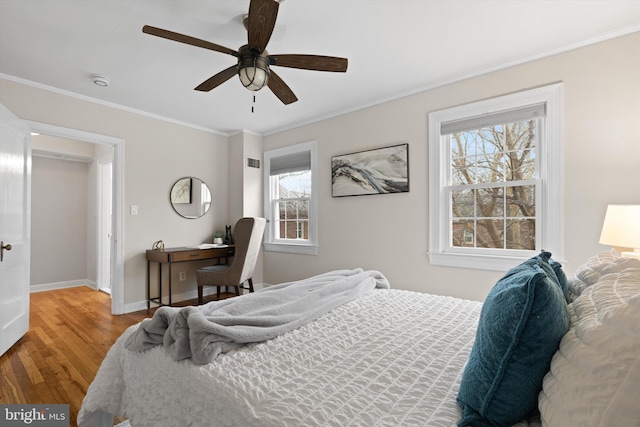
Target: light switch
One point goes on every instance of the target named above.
(134, 209)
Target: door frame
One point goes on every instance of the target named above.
(117, 242)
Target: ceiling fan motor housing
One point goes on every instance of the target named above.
(253, 68)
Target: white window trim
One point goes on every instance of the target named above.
(550, 234)
(270, 243)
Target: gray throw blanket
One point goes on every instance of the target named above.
(203, 332)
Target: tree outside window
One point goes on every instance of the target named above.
(493, 200)
(294, 190)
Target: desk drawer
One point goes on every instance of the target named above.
(192, 255)
(197, 254)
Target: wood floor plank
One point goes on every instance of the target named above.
(30, 367)
(10, 389)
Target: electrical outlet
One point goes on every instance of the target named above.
(183, 276)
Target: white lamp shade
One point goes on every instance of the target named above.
(621, 226)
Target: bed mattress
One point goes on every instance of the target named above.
(389, 358)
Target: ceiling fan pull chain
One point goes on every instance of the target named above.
(254, 102)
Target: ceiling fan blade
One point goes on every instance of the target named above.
(170, 35)
(262, 19)
(311, 62)
(280, 89)
(217, 80)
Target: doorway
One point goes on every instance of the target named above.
(115, 251)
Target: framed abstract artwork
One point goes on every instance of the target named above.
(377, 171)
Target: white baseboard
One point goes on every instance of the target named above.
(134, 306)
(62, 285)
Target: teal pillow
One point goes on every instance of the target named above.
(562, 278)
(521, 324)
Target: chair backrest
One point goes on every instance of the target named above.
(247, 235)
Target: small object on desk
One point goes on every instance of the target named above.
(209, 246)
(217, 237)
(158, 246)
(228, 238)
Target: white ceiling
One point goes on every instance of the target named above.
(395, 48)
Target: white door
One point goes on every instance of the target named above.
(15, 227)
(106, 219)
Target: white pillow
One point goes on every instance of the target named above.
(594, 378)
(589, 273)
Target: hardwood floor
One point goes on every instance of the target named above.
(70, 332)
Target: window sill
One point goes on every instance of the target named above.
(291, 248)
(478, 262)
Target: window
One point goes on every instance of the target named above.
(495, 183)
(291, 193)
(290, 199)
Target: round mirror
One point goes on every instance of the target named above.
(190, 197)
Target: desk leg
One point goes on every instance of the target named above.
(148, 285)
(158, 299)
(169, 284)
(160, 283)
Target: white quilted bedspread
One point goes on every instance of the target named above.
(389, 358)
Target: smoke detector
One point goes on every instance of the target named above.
(99, 80)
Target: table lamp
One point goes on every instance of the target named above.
(621, 228)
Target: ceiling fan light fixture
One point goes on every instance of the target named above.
(253, 69)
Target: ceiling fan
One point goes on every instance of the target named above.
(254, 62)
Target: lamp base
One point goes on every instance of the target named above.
(635, 254)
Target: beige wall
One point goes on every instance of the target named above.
(48, 145)
(156, 154)
(389, 232)
(59, 215)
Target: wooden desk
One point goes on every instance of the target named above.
(182, 254)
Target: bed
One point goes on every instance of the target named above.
(387, 357)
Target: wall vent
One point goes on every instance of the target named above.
(253, 163)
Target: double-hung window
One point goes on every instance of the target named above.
(496, 180)
(290, 199)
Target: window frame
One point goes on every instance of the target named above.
(549, 193)
(271, 243)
